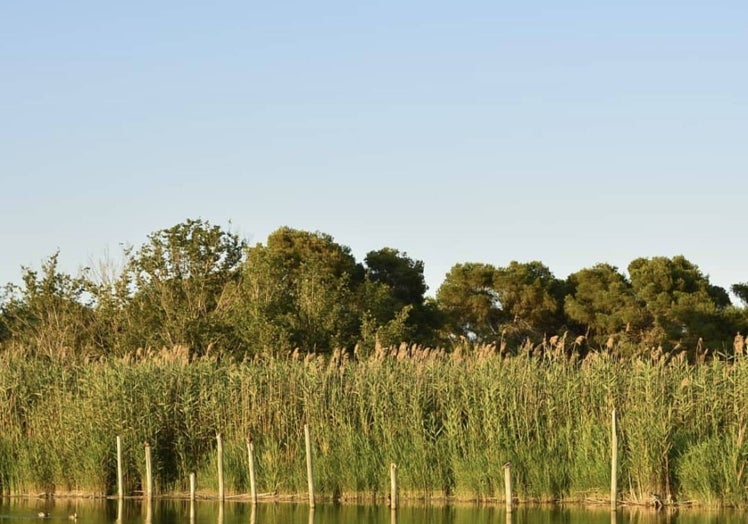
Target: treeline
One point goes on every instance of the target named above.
(203, 287)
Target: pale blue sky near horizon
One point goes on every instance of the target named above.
(567, 132)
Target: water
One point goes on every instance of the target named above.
(174, 511)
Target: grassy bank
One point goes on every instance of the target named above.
(449, 421)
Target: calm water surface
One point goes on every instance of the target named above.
(205, 512)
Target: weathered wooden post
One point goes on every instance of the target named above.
(148, 473)
(393, 486)
(193, 488)
(120, 475)
(309, 467)
(219, 451)
(508, 486)
(613, 462)
(252, 479)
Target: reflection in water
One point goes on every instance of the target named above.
(132, 511)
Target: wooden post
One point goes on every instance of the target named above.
(508, 486)
(309, 467)
(148, 473)
(120, 476)
(393, 486)
(219, 441)
(252, 479)
(613, 462)
(193, 488)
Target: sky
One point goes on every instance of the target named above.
(572, 133)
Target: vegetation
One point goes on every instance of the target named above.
(199, 286)
(450, 420)
(200, 333)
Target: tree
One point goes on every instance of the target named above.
(396, 291)
(48, 314)
(682, 304)
(530, 296)
(469, 303)
(180, 283)
(603, 302)
(298, 291)
(741, 291)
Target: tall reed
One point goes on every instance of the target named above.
(449, 420)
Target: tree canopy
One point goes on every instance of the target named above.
(200, 286)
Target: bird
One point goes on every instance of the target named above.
(74, 516)
(42, 514)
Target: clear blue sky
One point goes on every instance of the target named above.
(566, 132)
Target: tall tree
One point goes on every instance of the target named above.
(682, 303)
(529, 295)
(180, 281)
(401, 297)
(298, 292)
(49, 314)
(469, 303)
(602, 300)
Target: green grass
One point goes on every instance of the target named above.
(450, 421)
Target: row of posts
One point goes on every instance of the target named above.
(310, 472)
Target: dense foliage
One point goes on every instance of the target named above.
(450, 420)
(202, 287)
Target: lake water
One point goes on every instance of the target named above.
(173, 512)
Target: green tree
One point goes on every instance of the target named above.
(603, 302)
(530, 296)
(49, 314)
(298, 291)
(180, 284)
(741, 291)
(681, 302)
(395, 291)
(469, 303)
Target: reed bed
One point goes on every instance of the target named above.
(449, 420)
